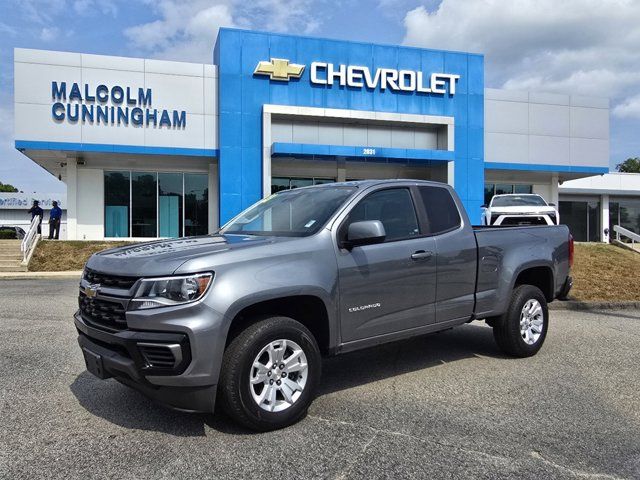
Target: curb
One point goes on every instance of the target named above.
(39, 275)
(586, 306)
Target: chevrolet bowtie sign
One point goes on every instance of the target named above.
(360, 77)
(279, 69)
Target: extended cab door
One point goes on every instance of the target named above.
(456, 253)
(389, 286)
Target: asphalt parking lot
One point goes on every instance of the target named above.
(447, 405)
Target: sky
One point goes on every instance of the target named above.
(589, 47)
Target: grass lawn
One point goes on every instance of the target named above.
(61, 255)
(600, 271)
(605, 272)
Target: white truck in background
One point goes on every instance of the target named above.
(519, 209)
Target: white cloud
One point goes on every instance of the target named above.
(629, 108)
(90, 7)
(187, 30)
(587, 47)
(48, 34)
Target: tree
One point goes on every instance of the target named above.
(7, 187)
(630, 165)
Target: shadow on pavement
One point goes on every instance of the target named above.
(130, 409)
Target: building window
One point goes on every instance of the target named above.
(152, 204)
(196, 204)
(491, 189)
(582, 218)
(117, 189)
(144, 204)
(170, 204)
(287, 183)
(626, 213)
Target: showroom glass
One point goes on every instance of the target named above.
(292, 213)
(442, 212)
(144, 204)
(116, 204)
(286, 183)
(574, 216)
(151, 204)
(393, 207)
(170, 204)
(624, 212)
(491, 189)
(196, 204)
(519, 201)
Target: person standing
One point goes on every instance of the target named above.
(35, 210)
(55, 215)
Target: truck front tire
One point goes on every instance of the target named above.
(521, 331)
(270, 374)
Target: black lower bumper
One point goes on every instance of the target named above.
(566, 288)
(116, 355)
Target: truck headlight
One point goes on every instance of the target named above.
(167, 291)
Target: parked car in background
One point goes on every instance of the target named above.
(11, 233)
(519, 209)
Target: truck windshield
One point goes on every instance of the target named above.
(290, 213)
(518, 201)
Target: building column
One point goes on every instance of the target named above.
(341, 173)
(72, 193)
(214, 208)
(266, 154)
(451, 173)
(554, 198)
(604, 219)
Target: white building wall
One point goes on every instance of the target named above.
(532, 128)
(174, 86)
(90, 205)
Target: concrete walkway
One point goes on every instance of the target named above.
(68, 274)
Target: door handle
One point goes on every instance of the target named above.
(421, 255)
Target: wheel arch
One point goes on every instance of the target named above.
(309, 309)
(537, 275)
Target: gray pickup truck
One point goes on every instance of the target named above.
(246, 315)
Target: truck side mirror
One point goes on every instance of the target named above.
(366, 232)
(552, 204)
(484, 206)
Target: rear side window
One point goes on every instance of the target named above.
(393, 207)
(442, 212)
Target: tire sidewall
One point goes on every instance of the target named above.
(523, 295)
(271, 420)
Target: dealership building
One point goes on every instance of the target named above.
(150, 148)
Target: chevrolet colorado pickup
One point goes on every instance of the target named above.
(245, 315)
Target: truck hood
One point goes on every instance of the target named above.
(163, 257)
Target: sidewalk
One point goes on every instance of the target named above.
(26, 275)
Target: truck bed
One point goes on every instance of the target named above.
(504, 252)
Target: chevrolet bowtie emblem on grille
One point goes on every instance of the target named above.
(91, 290)
(279, 69)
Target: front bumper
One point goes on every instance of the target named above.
(119, 355)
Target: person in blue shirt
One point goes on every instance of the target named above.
(55, 216)
(35, 210)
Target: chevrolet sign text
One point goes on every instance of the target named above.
(398, 80)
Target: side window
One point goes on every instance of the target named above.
(442, 212)
(393, 207)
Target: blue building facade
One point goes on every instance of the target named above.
(386, 79)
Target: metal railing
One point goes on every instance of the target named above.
(620, 231)
(30, 238)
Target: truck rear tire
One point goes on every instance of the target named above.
(270, 374)
(521, 331)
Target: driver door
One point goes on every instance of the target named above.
(389, 286)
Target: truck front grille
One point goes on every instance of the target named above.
(111, 281)
(102, 313)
